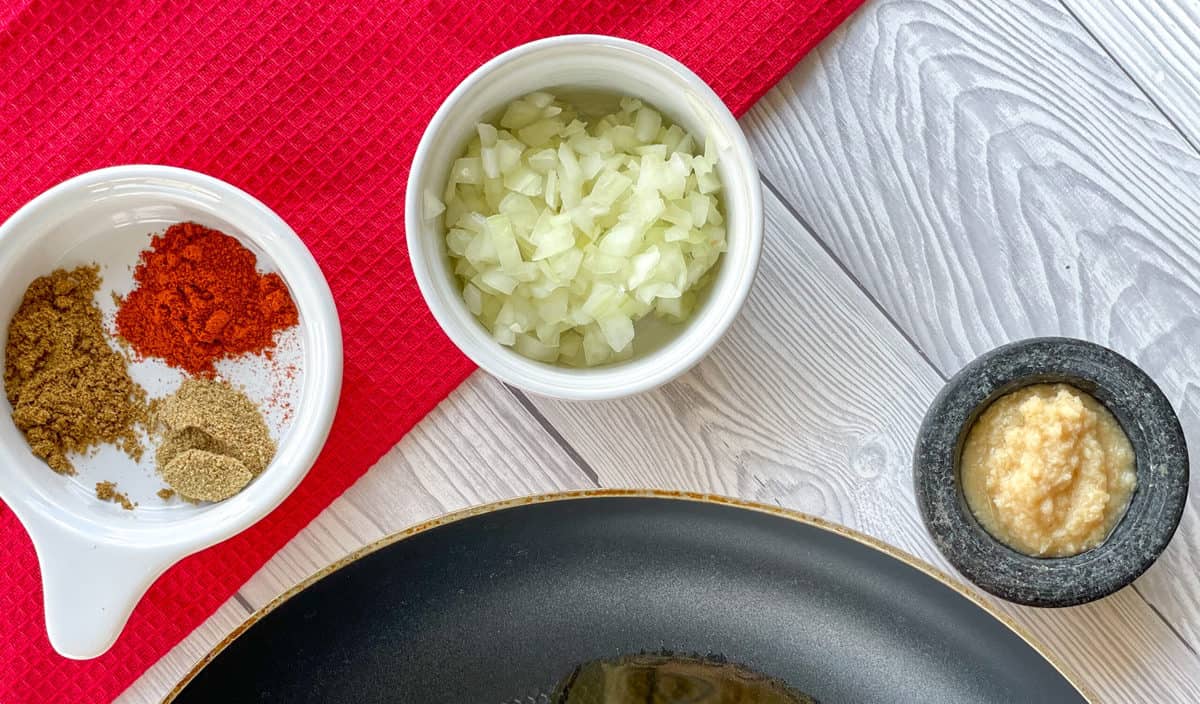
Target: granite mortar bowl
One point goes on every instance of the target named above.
(97, 560)
(1143, 412)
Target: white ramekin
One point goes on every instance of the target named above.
(610, 65)
(97, 560)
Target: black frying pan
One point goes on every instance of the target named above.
(499, 604)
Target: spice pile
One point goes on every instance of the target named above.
(198, 299)
(69, 390)
(214, 440)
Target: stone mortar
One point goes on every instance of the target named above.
(1143, 412)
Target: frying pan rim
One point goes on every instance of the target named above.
(697, 497)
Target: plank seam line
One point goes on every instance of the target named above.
(558, 438)
(1132, 79)
(237, 596)
(850, 275)
(1170, 626)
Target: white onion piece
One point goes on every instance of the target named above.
(431, 206)
(565, 231)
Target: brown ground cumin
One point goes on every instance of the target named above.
(69, 390)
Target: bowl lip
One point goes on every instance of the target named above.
(315, 302)
(1154, 512)
(604, 382)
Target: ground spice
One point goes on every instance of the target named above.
(215, 440)
(205, 476)
(187, 438)
(200, 298)
(107, 491)
(69, 390)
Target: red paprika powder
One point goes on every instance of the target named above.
(199, 297)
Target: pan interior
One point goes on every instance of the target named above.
(499, 607)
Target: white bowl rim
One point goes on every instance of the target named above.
(127, 561)
(605, 382)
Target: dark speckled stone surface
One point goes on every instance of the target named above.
(1143, 412)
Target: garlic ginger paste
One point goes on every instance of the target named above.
(1047, 470)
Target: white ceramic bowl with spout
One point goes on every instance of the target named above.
(595, 67)
(96, 559)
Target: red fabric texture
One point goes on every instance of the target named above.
(314, 107)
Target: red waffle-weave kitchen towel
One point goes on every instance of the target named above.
(314, 107)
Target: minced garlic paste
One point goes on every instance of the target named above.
(1047, 470)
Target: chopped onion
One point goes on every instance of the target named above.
(565, 231)
(432, 207)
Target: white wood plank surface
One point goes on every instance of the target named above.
(812, 402)
(1158, 43)
(984, 188)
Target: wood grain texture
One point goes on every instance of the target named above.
(812, 402)
(988, 173)
(1157, 42)
(480, 445)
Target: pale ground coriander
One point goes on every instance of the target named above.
(215, 440)
(207, 476)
